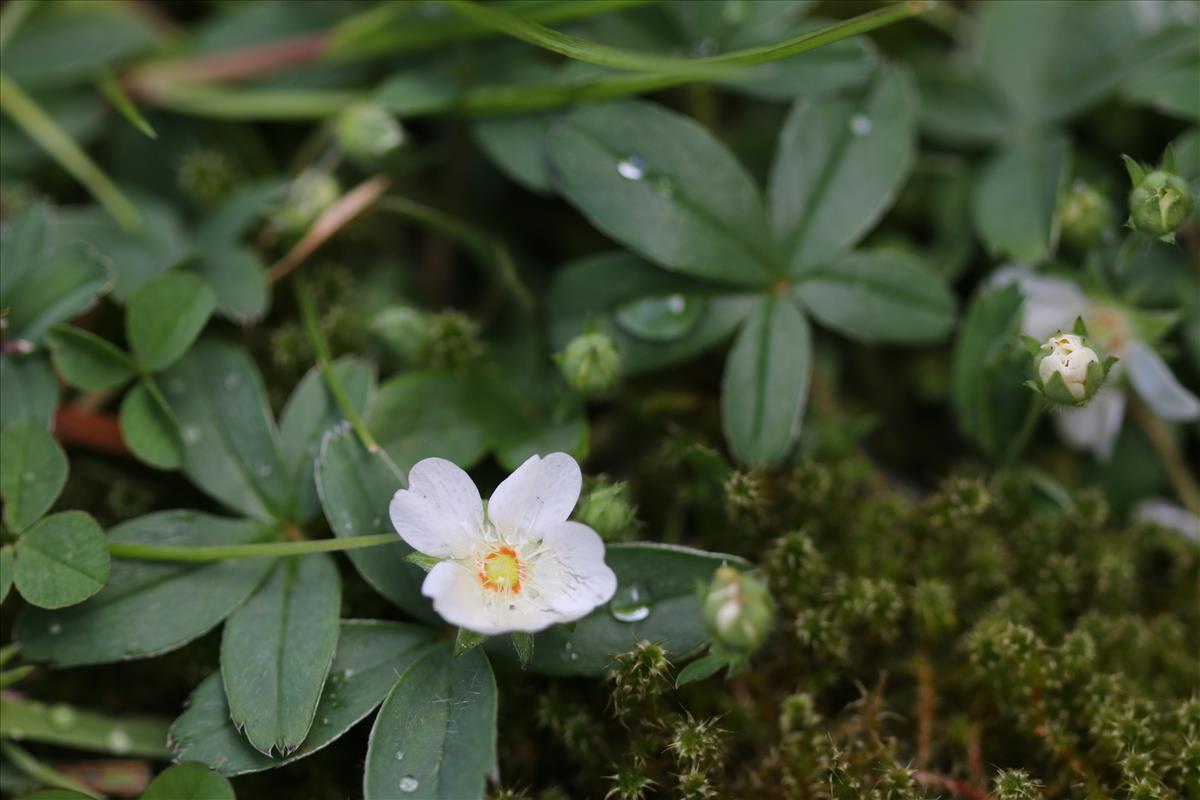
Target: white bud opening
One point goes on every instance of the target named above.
(1069, 357)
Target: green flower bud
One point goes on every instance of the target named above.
(403, 330)
(1085, 216)
(606, 509)
(367, 131)
(591, 364)
(207, 175)
(309, 196)
(1067, 370)
(1159, 202)
(738, 611)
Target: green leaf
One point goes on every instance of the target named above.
(310, 413)
(135, 257)
(112, 90)
(880, 296)
(147, 427)
(657, 318)
(661, 184)
(656, 600)
(88, 362)
(466, 640)
(765, 385)
(62, 560)
(517, 145)
(165, 315)
(33, 471)
(6, 571)
(188, 781)
(276, 651)
(237, 275)
(28, 389)
(231, 446)
(839, 165)
(435, 735)
(1015, 198)
(701, 668)
(370, 654)
(429, 413)
(71, 44)
(355, 488)
(1017, 47)
(42, 281)
(149, 608)
(1169, 90)
(67, 726)
(961, 109)
(991, 405)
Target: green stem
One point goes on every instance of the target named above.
(41, 128)
(312, 327)
(165, 552)
(1168, 453)
(23, 760)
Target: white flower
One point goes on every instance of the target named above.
(1068, 357)
(521, 566)
(1168, 515)
(1053, 304)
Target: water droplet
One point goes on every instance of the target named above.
(629, 604)
(324, 720)
(706, 46)
(29, 477)
(409, 784)
(860, 125)
(348, 673)
(16, 733)
(264, 470)
(191, 434)
(55, 629)
(399, 755)
(663, 318)
(568, 653)
(118, 741)
(62, 716)
(232, 381)
(632, 168)
(377, 522)
(663, 186)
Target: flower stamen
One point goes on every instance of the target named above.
(501, 570)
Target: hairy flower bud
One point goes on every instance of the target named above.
(591, 364)
(738, 611)
(309, 196)
(1159, 202)
(442, 340)
(606, 509)
(1085, 216)
(367, 131)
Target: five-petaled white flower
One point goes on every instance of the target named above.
(522, 566)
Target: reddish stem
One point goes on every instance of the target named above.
(94, 430)
(944, 783)
(230, 65)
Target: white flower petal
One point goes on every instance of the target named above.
(571, 574)
(1095, 426)
(460, 599)
(440, 513)
(539, 495)
(1168, 515)
(1051, 304)
(1155, 383)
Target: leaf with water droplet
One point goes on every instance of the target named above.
(661, 318)
(149, 430)
(442, 715)
(630, 603)
(33, 471)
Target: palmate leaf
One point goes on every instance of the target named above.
(33, 471)
(1015, 196)
(28, 389)
(62, 560)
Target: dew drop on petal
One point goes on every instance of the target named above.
(630, 604)
(632, 168)
(409, 784)
(860, 125)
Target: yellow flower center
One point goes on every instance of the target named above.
(500, 570)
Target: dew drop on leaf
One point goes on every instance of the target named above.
(118, 741)
(409, 784)
(191, 434)
(55, 629)
(630, 604)
(62, 716)
(632, 168)
(860, 125)
(399, 755)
